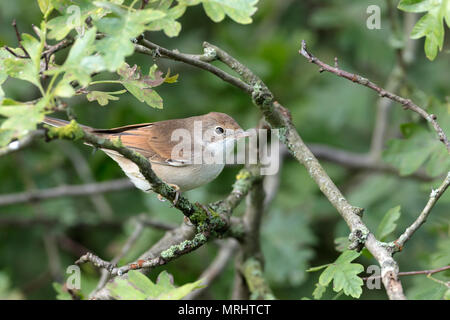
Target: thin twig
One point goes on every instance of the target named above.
(406, 103)
(19, 39)
(87, 189)
(434, 197)
(412, 273)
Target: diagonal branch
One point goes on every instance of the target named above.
(434, 197)
(279, 117)
(406, 103)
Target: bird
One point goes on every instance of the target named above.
(185, 153)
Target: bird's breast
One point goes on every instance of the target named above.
(188, 177)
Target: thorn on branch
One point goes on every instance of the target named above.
(19, 39)
(15, 54)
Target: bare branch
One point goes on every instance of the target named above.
(65, 191)
(252, 270)
(406, 103)
(413, 273)
(434, 197)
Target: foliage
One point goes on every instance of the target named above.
(139, 287)
(100, 45)
(431, 25)
(98, 67)
(388, 223)
(344, 275)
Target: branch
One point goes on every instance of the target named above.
(192, 60)
(279, 117)
(406, 103)
(434, 197)
(65, 191)
(253, 274)
(413, 273)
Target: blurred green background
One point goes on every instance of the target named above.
(300, 226)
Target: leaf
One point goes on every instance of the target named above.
(73, 17)
(388, 223)
(24, 69)
(341, 244)
(415, 5)
(45, 6)
(20, 118)
(119, 30)
(139, 287)
(419, 145)
(238, 10)
(80, 64)
(103, 97)
(168, 23)
(61, 293)
(319, 291)
(141, 86)
(344, 274)
(431, 25)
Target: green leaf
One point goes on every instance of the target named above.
(73, 17)
(61, 293)
(64, 89)
(141, 86)
(103, 98)
(415, 5)
(139, 287)
(240, 11)
(319, 291)
(419, 145)
(119, 30)
(431, 25)
(344, 275)
(45, 6)
(168, 23)
(20, 118)
(341, 244)
(80, 64)
(24, 69)
(388, 223)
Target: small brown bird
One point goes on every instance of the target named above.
(185, 153)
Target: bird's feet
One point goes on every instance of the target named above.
(177, 194)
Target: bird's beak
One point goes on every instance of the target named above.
(241, 134)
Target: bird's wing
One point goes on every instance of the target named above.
(148, 140)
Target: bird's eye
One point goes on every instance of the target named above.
(219, 130)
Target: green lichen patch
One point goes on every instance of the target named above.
(72, 131)
(184, 246)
